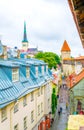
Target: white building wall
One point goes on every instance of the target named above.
(78, 67)
(25, 111)
(47, 95)
(68, 69)
(65, 54)
(5, 125)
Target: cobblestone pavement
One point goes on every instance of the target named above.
(61, 121)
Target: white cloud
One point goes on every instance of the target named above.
(49, 23)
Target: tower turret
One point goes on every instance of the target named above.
(65, 51)
(66, 59)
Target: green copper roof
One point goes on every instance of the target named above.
(25, 33)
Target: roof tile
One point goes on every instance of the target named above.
(65, 47)
(74, 79)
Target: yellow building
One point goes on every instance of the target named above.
(76, 122)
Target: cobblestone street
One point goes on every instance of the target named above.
(60, 122)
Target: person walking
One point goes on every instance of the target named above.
(66, 105)
(61, 110)
(59, 113)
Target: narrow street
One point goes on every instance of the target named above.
(60, 122)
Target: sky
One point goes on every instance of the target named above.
(48, 23)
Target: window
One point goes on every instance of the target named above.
(16, 108)
(48, 102)
(25, 123)
(32, 96)
(32, 116)
(24, 44)
(38, 92)
(38, 110)
(36, 71)
(16, 127)
(15, 74)
(3, 114)
(43, 70)
(27, 72)
(41, 107)
(24, 100)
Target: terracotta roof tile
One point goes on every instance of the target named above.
(65, 47)
(79, 58)
(74, 79)
(72, 59)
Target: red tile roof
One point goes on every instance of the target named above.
(70, 59)
(79, 58)
(74, 79)
(65, 47)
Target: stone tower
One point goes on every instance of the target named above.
(66, 59)
(65, 51)
(25, 41)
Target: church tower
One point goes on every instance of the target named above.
(65, 51)
(25, 41)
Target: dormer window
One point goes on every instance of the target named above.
(15, 74)
(27, 72)
(36, 71)
(42, 70)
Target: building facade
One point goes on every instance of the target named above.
(25, 94)
(76, 92)
(70, 64)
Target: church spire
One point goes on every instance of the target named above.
(25, 33)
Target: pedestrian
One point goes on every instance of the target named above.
(57, 96)
(63, 86)
(60, 109)
(66, 105)
(59, 112)
(60, 86)
(52, 120)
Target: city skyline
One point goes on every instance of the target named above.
(48, 24)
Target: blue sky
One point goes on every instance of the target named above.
(49, 23)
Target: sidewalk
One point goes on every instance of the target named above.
(61, 122)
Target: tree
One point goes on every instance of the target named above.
(49, 57)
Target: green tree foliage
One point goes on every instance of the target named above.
(49, 57)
